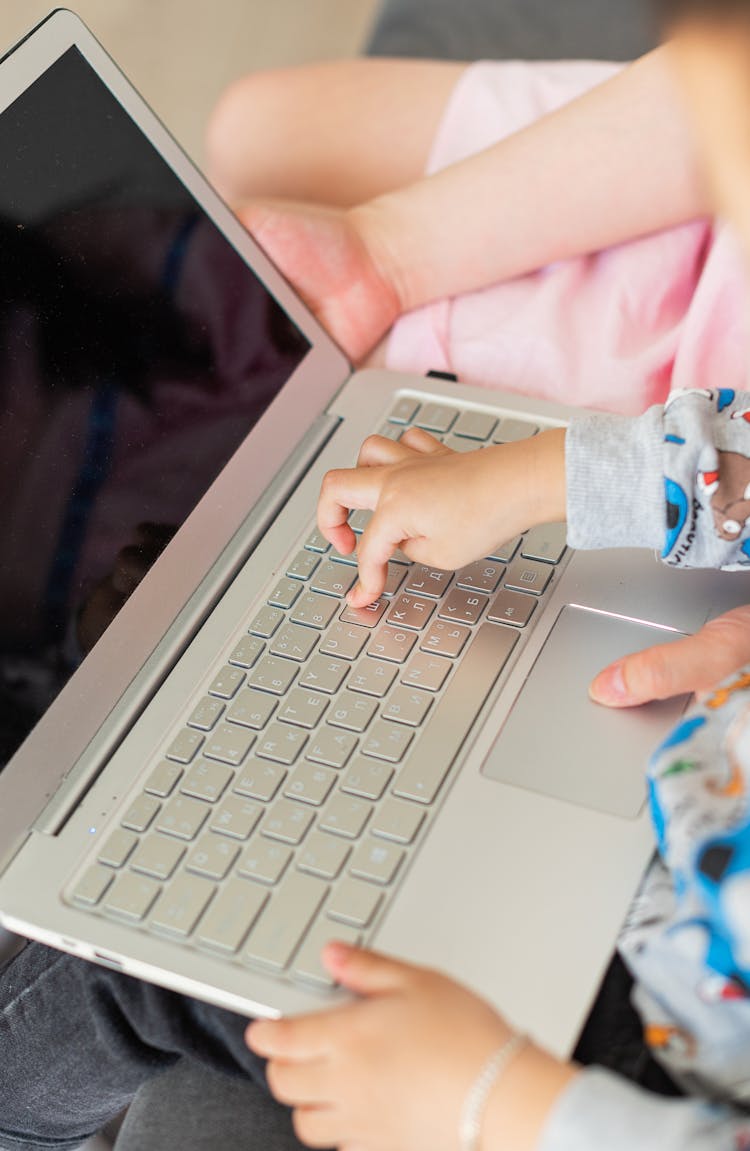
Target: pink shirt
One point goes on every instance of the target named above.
(614, 330)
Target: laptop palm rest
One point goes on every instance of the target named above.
(558, 742)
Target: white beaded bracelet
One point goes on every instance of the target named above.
(472, 1112)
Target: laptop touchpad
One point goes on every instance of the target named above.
(558, 742)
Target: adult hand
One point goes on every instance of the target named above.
(693, 664)
(333, 258)
(387, 1072)
(441, 507)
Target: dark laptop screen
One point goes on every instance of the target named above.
(136, 351)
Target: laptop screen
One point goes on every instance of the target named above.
(137, 349)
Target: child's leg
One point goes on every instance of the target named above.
(335, 133)
(77, 1041)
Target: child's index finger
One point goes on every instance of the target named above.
(341, 491)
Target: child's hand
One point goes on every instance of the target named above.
(440, 507)
(389, 1072)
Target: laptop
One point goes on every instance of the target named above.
(210, 763)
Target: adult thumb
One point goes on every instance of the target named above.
(695, 663)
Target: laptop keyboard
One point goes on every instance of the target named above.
(287, 807)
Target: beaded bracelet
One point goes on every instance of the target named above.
(472, 1112)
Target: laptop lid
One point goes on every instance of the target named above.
(151, 354)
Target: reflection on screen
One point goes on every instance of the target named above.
(136, 351)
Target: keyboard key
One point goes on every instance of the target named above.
(325, 674)
(410, 611)
(265, 860)
(407, 705)
(398, 821)
(394, 578)
(372, 677)
(227, 683)
(351, 711)
(206, 713)
(376, 861)
(183, 817)
(303, 708)
(546, 543)
(355, 902)
(287, 821)
(206, 780)
(367, 616)
(231, 915)
(236, 817)
(345, 816)
(267, 621)
(286, 591)
(510, 429)
(212, 856)
(163, 778)
(421, 777)
(482, 575)
(273, 674)
(529, 576)
(404, 410)
(333, 579)
(294, 642)
(284, 920)
(229, 743)
(331, 747)
(185, 746)
(475, 425)
(317, 542)
(310, 784)
(314, 610)
(92, 885)
(247, 651)
(252, 709)
(118, 847)
(446, 638)
(181, 905)
(303, 565)
(131, 896)
(259, 780)
(423, 580)
(367, 778)
(140, 813)
(307, 963)
(388, 741)
(436, 417)
(344, 640)
(392, 643)
(427, 671)
(281, 743)
(504, 552)
(157, 856)
(511, 607)
(463, 606)
(323, 855)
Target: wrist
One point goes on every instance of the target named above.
(547, 483)
(526, 485)
(522, 1099)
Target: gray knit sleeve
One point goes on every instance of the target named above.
(614, 467)
(601, 1110)
(676, 479)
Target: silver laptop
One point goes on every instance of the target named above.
(211, 764)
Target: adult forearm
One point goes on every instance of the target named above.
(613, 164)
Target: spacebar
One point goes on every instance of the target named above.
(473, 679)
